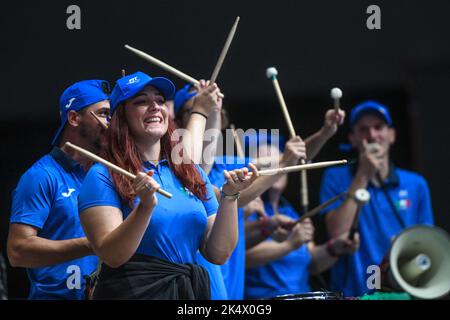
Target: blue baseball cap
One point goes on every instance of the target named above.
(370, 107)
(78, 96)
(182, 96)
(130, 85)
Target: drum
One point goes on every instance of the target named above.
(316, 295)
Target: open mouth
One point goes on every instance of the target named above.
(153, 119)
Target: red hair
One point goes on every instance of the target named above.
(119, 148)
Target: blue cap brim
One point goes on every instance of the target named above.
(371, 110)
(164, 85)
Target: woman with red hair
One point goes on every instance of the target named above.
(148, 242)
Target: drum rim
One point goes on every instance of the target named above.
(335, 294)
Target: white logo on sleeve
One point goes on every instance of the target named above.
(74, 280)
(70, 103)
(68, 193)
(403, 193)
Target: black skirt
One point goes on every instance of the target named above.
(146, 277)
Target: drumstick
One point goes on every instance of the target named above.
(224, 51)
(304, 188)
(320, 207)
(110, 165)
(166, 67)
(239, 149)
(336, 94)
(361, 196)
(272, 73)
(99, 120)
(301, 167)
(123, 73)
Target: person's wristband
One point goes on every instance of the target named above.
(202, 114)
(265, 227)
(330, 249)
(231, 197)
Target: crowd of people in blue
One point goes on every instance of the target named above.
(84, 231)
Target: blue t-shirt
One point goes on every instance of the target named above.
(233, 270)
(378, 222)
(177, 225)
(46, 198)
(287, 275)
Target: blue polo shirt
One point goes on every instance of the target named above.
(46, 198)
(233, 270)
(177, 225)
(378, 222)
(217, 284)
(287, 275)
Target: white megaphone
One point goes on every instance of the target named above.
(418, 263)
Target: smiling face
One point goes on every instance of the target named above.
(147, 114)
(372, 129)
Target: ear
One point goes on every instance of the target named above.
(392, 135)
(73, 118)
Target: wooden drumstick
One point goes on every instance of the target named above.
(320, 207)
(336, 95)
(301, 167)
(239, 149)
(224, 51)
(104, 125)
(166, 67)
(110, 165)
(304, 188)
(272, 73)
(361, 196)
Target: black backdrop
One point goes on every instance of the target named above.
(315, 46)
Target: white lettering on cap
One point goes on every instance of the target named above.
(133, 80)
(70, 103)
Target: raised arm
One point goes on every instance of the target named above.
(340, 220)
(212, 133)
(316, 141)
(205, 102)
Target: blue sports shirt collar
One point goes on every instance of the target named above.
(63, 159)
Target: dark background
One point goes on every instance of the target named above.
(315, 46)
